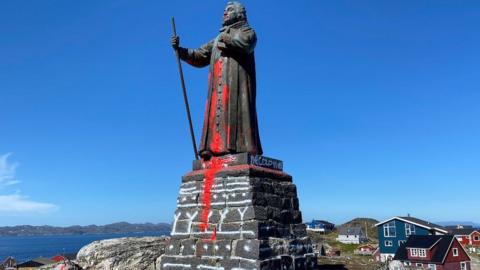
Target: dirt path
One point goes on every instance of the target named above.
(475, 263)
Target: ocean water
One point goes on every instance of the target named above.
(24, 248)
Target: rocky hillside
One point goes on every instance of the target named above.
(131, 253)
(368, 223)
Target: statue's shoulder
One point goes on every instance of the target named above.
(247, 28)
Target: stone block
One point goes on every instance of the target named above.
(295, 204)
(172, 247)
(188, 246)
(274, 201)
(287, 262)
(298, 230)
(182, 227)
(248, 249)
(286, 217)
(223, 248)
(185, 213)
(175, 262)
(287, 203)
(231, 264)
(310, 261)
(299, 262)
(273, 213)
(250, 229)
(296, 216)
(205, 248)
(199, 231)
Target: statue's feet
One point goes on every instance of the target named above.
(206, 155)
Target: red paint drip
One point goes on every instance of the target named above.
(213, 105)
(217, 69)
(214, 235)
(216, 164)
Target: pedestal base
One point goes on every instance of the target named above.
(234, 215)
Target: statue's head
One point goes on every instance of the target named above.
(234, 12)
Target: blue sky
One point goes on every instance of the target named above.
(372, 105)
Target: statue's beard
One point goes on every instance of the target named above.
(233, 19)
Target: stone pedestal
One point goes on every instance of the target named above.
(238, 212)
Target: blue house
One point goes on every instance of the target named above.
(395, 231)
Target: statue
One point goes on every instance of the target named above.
(230, 121)
(236, 209)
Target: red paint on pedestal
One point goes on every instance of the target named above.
(214, 165)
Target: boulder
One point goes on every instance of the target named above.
(129, 253)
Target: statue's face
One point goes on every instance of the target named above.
(229, 14)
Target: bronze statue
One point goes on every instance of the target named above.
(230, 120)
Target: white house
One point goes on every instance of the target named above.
(351, 235)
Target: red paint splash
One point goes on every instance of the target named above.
(214, 234)
(214, 165)
(217, 69)
(212, 108)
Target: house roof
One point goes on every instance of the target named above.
(350, 231)
(465, 231)
(442, 243)
(61, 257)
(423, 242)
(418, 222)
(36, 262)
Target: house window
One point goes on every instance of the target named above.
(407, 263)
(409, 229)
(414, 252)
(388, 243)
(389, 229)
(463, 266)
(432, 267)
(455, 252)
(476, 238)
(419, 264)
(401, 242)
(422, 253)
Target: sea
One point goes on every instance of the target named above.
(24, 248)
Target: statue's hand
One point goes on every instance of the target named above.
(175, 42)
(221, 46)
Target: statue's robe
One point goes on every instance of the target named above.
(230, 121)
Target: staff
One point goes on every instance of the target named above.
(185, 98)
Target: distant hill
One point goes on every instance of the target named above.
(120, 227)
(455, 223)
(368, 223)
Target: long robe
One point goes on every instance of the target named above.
(230, 120)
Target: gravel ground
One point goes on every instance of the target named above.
(475, 263)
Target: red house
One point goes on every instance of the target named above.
(365, 249)
(467, 237)
(64, 257)
(434, 252)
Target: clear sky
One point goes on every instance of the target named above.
(372, 105)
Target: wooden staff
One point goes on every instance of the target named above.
(185, 98)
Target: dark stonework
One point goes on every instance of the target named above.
(254, 221)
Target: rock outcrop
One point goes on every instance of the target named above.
(130, 253)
